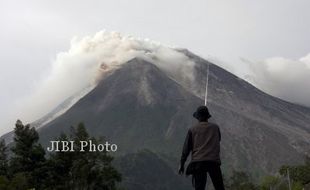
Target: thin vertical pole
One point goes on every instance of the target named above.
(207, 84)
(289, 180)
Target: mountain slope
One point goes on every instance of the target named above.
(140, 106)
(144, 170)
(136, 107)
(254, 123)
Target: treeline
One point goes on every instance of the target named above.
(288, 178)
(27, 166)
(24, 165)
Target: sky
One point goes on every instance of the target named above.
(266, 42)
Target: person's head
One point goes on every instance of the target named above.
(202, 113)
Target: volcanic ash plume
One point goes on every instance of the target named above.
(92, 58)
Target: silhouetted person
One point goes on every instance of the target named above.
(203, 141)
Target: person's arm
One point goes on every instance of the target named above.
(220, 136)
(187, 148)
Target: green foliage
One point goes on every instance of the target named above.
(27, 152)
(241, 181)
(60, 163)
(4, 183)
(30, 169)
(3, 159)
(82, 170)
(299, 178)
(28, 159)
(269, 182)
(299, 173)
(20, 181)
(297, 186)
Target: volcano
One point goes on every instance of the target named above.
(141, 106)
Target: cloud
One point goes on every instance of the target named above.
(88, 61)
(285, 78)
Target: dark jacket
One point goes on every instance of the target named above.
(203, 141)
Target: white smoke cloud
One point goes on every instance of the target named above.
(88, 60)
(284, 78)
(91, 58)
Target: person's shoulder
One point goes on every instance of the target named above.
(191, 128)
(211, 124)
(194, 127)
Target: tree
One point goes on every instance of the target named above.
(4, 183)
(28, 157)
(60, 164)
(82, 170)
(20, 181)
(29, 169)
(3, 159)
(299, 173)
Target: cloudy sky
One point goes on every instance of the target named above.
(266, 41)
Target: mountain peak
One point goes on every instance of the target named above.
(141, 79)
(139, 105)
